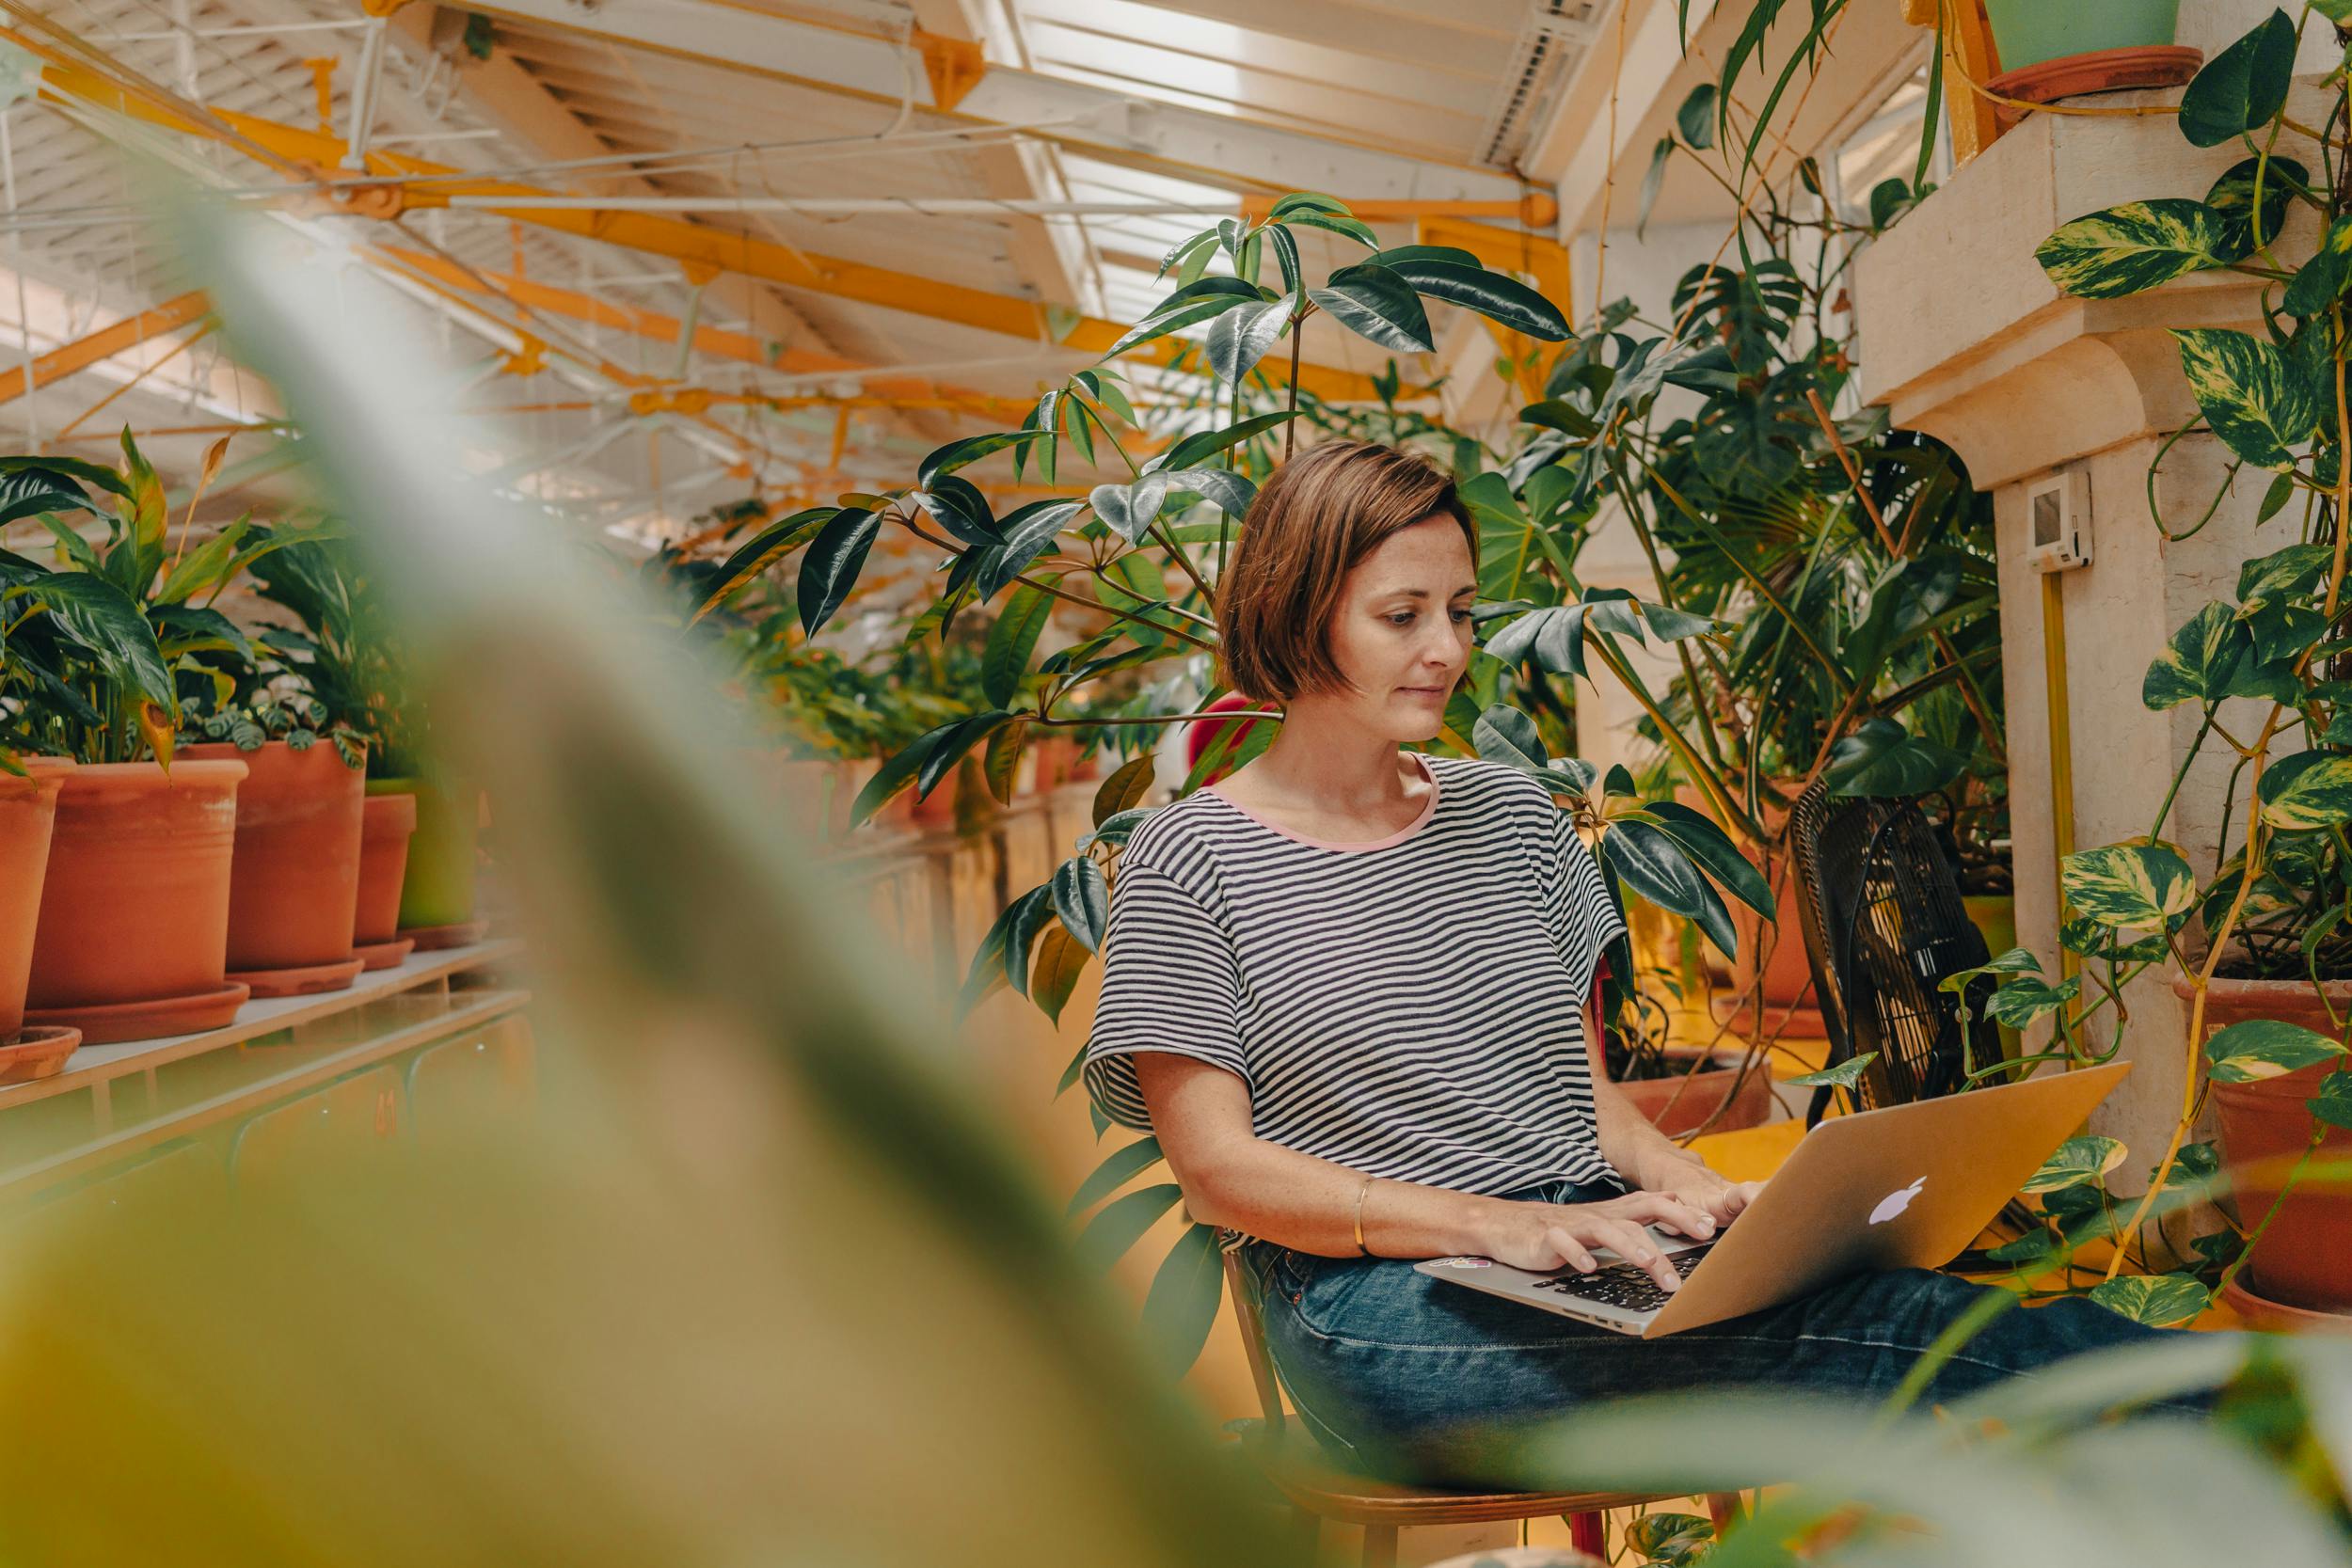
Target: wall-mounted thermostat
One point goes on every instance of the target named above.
(2057, 521)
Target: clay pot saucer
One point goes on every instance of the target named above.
(2262, 1312)
(153, 1018)
(384, 954)
(37, 1054)
(431, 939)
(302, 979)
(2101, 71)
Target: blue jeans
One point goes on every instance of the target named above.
(1405, 1376)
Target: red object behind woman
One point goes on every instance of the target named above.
(1201, 734)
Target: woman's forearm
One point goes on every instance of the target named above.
(1629, 1141)
(1307, 1204)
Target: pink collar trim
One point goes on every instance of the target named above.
(1427, 811)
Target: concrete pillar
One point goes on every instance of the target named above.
(1965, 338)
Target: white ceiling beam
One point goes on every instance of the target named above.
(1222, 149)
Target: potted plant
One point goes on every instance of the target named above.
(2048, 51)
(418, 825)
(295, 884)
(28, 810)
(131, 938)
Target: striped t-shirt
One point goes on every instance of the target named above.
(1410, 1008)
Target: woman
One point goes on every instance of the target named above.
(1348, 987)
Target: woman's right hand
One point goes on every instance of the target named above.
(1553, 1236)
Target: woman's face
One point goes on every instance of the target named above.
(1401, 632)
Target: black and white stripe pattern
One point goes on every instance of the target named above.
(1411, 1010)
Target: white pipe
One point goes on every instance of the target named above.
(363, 95)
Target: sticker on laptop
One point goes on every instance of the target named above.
(1461, 1262)
(1893, 1204)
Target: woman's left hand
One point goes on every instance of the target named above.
(1704, 1190)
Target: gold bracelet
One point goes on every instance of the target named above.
(1361, 1249)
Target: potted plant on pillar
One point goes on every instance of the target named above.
(2259, 952)
(2048, 52)
(131, 938)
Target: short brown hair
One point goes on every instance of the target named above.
(1317, 518)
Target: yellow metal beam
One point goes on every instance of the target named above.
(690, 244)
(104, 344)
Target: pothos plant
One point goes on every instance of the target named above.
(1139, 559)
(2277, 904)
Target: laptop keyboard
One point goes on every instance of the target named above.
(1622, 1285)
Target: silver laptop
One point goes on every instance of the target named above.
(1909, 1186)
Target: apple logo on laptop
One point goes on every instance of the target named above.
(1894, 1203)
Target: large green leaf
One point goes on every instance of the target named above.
(1083, 899)
(959, 507)
(1121, 1224)
(2159, 1301)
(1655, 868)
(2265, 1048)
(104, 621)
(2261, 400)
(1375, 302)
(2078, 1161)
(2199, 661)
(2025, 999)
(1882, 758)
(1201, 445)
(1507, 736)
(1493, 294)
(2136, 247)
(26, 492)
(1129, 510)
(1011, 640)
(897, 771)
(1027, 530)
(2322, 280)
(2234, 193)
(1843, 1075)
(2307, 790)
(2332, 1104)
(1181, 1307)
(1238, 339)
(956, 455)
(1695, 120)
(74, 467)
(835, 559)
(1118, 1168)
(2242, 88)
(1711, 848)
(1169, 319)
(762, 550)
(2128, 884)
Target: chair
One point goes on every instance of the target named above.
(1295, 1465)
(1883, 926)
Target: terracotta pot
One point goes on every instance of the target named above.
(135, 908)
(1693, 1098)
(294, 890)
(29, 809)
(386, 825)
(439, 889)
(1055, 755)
(2305, 1259)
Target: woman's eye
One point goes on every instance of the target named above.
(1399, 619)
(1461, 615)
